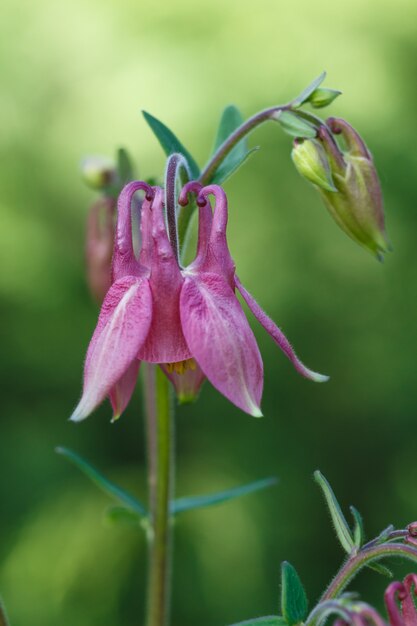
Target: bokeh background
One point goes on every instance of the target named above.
(74, 77)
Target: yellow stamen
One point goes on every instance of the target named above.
(181, 366)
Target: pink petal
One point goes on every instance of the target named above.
(122, 391)
(122, 328)
(278, 336)
(187, 385)
(221, 341)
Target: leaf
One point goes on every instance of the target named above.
(124, 167)
(122, 515)
(384, 535)
(304, 95)
(295, 125)
(341, 526)
(102, 482)
(198, 502)
(228, 168)
(170, 143)
(269, 620)
(294, 602)
(381, 569)
(3, 616)
(230, 120)
(358, 530)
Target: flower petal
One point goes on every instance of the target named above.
(278, 336)
(220, 339)
(122, 328)
(122, 391)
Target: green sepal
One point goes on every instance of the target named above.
(342, 529)
(102, 482)
(3, 615)
(228, 168)
(322, 97)
(296, 126)
(381, 569)
(306, 93)
(358, 529)
(170, 143)
(122, 515)
(294, 604)
(198, 502)
(268, 620)
(125, 170)
(384, 535)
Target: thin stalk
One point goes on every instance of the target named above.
(160, 435)
(3, 617)
(240, 132)
(355, 563)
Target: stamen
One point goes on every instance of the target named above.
(180, 367)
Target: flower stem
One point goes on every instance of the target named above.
(3, 617)
(160, 435)
(240, 132)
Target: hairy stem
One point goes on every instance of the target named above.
(240, 132)
(177, 168)
(160, 435)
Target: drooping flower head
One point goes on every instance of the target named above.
(187, 320)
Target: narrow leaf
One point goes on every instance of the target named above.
(384, 535)
(304, 95)
(124, 167)
(122, 515)
(170, 143)
(341, 526)
(296, 126)
(229, 167)
(294, 602)
(230, 120)
(102, 482)
(381, 569)
(198, 502)
(3, 616)
(358, 530)
(269, 620)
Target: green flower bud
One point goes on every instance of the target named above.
(322, 97)
(357, 206)
(311, 162)
(98, 172)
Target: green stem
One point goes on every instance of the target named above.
(3, 617)
(233, 139)
(160, 434)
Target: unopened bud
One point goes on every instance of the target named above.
(358, 205)
(99, 247)
(322, 97)
(311, 162)
(412, 529)
(98, 172)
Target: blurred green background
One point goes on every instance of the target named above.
(74, 76)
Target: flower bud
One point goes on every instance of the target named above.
(99, 247)
(322, 97)
(357, 206)
(311, 162)
(98, 172)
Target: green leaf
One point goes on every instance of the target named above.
(294, 602)
(170, 143)
(358, 530)
(304, 95)
(384, 535)
(322, 97)
(381, 569)
(102, 482)
(3, 616)
(295, 125)
(228, 168)
(122, 515)
(125, 169)
(230, 120)
(269, 620)
(341, 526)
(198, 502)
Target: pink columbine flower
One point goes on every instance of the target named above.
(188, 320)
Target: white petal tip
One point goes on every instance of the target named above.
(318, 378)
(256, 412)
(115, 417)
(78, 415)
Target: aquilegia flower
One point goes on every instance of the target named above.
(188, 320)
